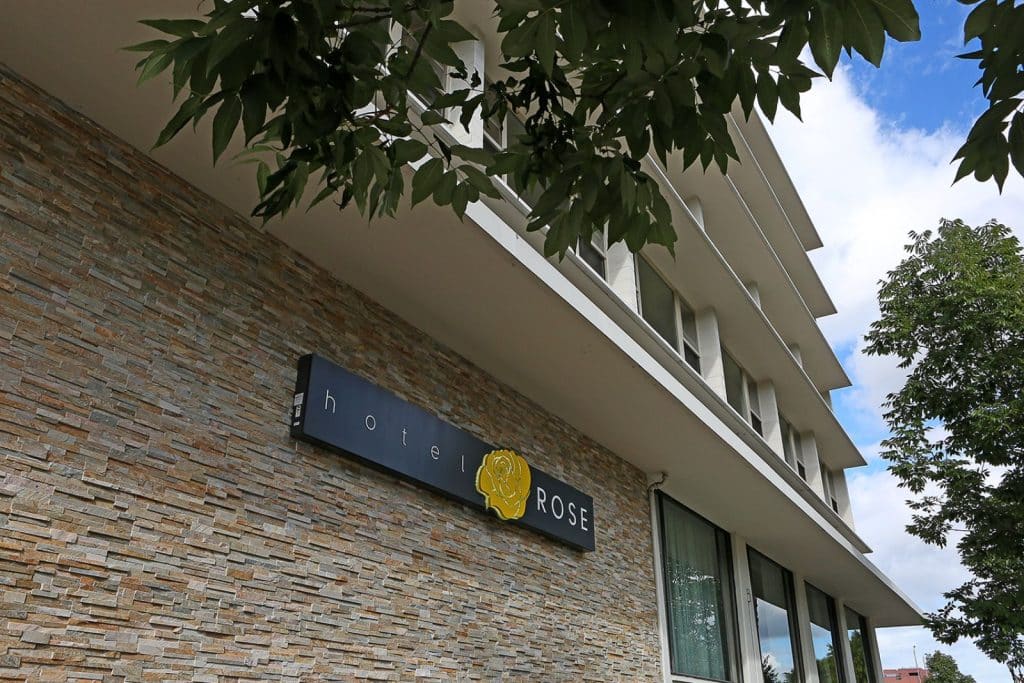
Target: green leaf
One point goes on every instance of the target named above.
(715, 50)
(767, 94)
(255, 109)
(863, 29)
(186, 111)
(480, 181)
(826, 35)
(546, 41)
(1016, 139)
(148, 46)
(182, 28)
(224, 124)
(432, 118)
(475, 154)
(262, 173)
(426, 179)
(788, 96)
(979, 20)
(460, 199)
(900, 19)
(519, 42)
(153, 65)
(408, 150)
(445, 188)
(791, 41)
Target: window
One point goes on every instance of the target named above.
(410, 40)
(514, 129)
(828, 487)
(825, 637)
(775, 612)
(755, 407)
(741, 392)
(792, 447)
(667, 313)
(594, 253)
(697, 575)
(494, 126)
(856, 633)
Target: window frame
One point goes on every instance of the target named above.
(866, 642)
(792, 613)
(728, 597)
(792, 441)
(835, 629)
(599, 243)
(828, 488)
(751, 413)
(685, 348)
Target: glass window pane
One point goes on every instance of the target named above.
(657, 302)
(824, 635)
(698, 591)
(691, 357)
(593, 257)
(856, 628)
(733, 382)
(787, 441)
(689, 322)
(774, 609)
(752, 397)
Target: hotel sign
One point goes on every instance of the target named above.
(339, 410)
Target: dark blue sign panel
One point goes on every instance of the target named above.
(346, 413)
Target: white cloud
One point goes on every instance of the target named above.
(866, 182)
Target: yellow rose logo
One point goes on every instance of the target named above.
(504, 481)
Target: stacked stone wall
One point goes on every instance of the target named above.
(157, 523)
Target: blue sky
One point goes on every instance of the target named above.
(923, 84)
(871, 160)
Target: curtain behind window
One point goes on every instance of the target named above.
(698, 590)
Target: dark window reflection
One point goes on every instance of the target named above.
(774, 608)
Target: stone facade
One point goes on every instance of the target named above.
(157, 523)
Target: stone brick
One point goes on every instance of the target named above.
(155, 513)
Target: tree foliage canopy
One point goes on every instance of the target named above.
(331, 90)
(943, 669)
(953, 313)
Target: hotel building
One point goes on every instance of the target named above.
(408, 450)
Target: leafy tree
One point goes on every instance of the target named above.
(953, 313)
(943, 669)
(860, 658)
(323, 90)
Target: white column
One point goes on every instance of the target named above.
(755, 293)
(749, 649)
(809, 448)
(696, 208)
(795, 350)
(659, 579)
(842, 496)
(827, 396)
(876, 656)
(621, 266)
(803, 621)
(770, 416)
(710, 350)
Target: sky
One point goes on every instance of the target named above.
(871, 162)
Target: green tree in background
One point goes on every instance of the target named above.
(324, 93)
(943, 669)
(953, 313)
